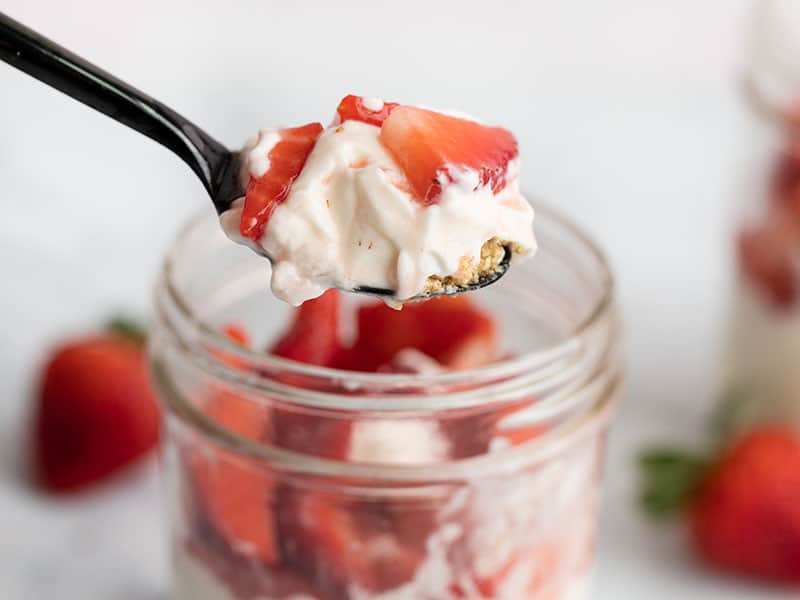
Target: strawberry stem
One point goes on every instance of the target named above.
(129, 329)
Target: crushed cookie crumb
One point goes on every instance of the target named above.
(468, 273)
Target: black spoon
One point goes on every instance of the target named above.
(215, 165)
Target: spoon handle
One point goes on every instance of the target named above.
(58, 67)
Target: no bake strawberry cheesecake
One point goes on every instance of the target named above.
(389, 197)
(761, 359)
(448, 451)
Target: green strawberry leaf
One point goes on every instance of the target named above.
(129, 329)
(669, 479)
(731, 411)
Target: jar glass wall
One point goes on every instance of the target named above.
(316, 483)
(762, 381)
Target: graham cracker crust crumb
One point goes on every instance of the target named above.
(470, 271)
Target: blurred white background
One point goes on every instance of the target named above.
(629, 119)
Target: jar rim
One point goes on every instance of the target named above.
(527, 362)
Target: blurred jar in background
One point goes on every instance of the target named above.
(763, 357)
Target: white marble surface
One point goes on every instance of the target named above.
(629, 120)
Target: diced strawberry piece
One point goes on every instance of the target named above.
(313, 337)
(452, 331)
(472, 432)
(469, 434)
(431, 148)
(356, 358)
(540, 565)
(434, 335)
(516, 433)
(337, 545)
(237, 496)
(786, 180)
(489, 585)
(286, 160)
(352, 108)
(767, 258)
(520, 435)
(236, 333)
(317, 435)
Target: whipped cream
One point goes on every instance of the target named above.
(350, 220)
(398, 441)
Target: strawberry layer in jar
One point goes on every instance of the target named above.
(343, 450)
(762, 378)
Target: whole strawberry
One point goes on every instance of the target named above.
(746, 512)
(743, 505)
(96, 411)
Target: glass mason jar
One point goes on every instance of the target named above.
(481, 483)
(762, 372)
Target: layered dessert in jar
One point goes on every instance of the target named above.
(249, 533)
(762, 369)
(762, 378)
(350, 449)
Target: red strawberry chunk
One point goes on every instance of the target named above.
(511, 430)
(473, 432)
(352, 108)
(337, 544)
(520, 435)
(237, 495)
(310, 433)
(430, 147)
(490, 585)
(313, 336)
(767, 258)
(236, 333)
(286, 160)
(786, 181)
(452, 331)
(786, 177)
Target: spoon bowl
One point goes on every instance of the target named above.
(451, 290)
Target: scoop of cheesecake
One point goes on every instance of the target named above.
(347, 206)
